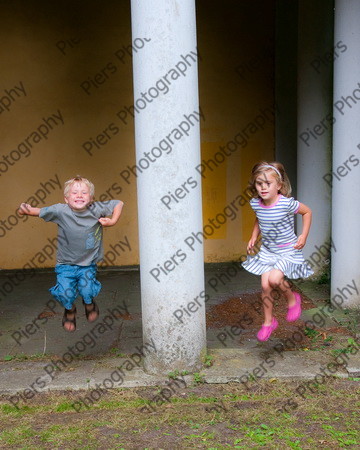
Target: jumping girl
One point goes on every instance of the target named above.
(280, 254)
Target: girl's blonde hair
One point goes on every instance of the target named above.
(277, 170)
(79, 179)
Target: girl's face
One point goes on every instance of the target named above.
(267, 187)
(78, 197)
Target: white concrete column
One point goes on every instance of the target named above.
(167, 151)
(315, 53)
(286, 38)
(346, 157)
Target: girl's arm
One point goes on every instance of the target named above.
(254, 237)
(306, 213)
(26, 209)
(109, 222)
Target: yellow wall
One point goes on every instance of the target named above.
(53, 52)
(236, 42)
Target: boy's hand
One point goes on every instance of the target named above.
(110, 221)
(24, 209)
(106, 222)
(27, 209)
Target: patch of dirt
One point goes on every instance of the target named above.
(46, 314)
(127, 316)
(246, 313)
(231, 311)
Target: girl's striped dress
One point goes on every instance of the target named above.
(278, 239)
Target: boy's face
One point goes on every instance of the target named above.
(78, 197)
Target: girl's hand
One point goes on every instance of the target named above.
(250, 246)
(106, 221)
(300, 242)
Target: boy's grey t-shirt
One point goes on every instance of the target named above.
(79, 232)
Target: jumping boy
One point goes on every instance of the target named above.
(80, 222)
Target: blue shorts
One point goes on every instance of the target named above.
(72, 280)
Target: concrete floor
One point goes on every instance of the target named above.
(22, 334)
(32, 339)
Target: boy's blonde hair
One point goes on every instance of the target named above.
(277, 170)
(79, 179)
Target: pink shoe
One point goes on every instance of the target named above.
(294, 312)
(266, 330)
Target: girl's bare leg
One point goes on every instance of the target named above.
(277, 281)
(266, 298)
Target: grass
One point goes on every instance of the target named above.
(202, 416)
(311, 333)
(24, 357)
(198, 378)
(324, 278)
(112, 353)
(176, 373)
(208, 360)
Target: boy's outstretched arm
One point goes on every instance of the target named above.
(110, 221)
(26, 209)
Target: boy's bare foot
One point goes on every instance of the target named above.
(69, 319)
(91, 311)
